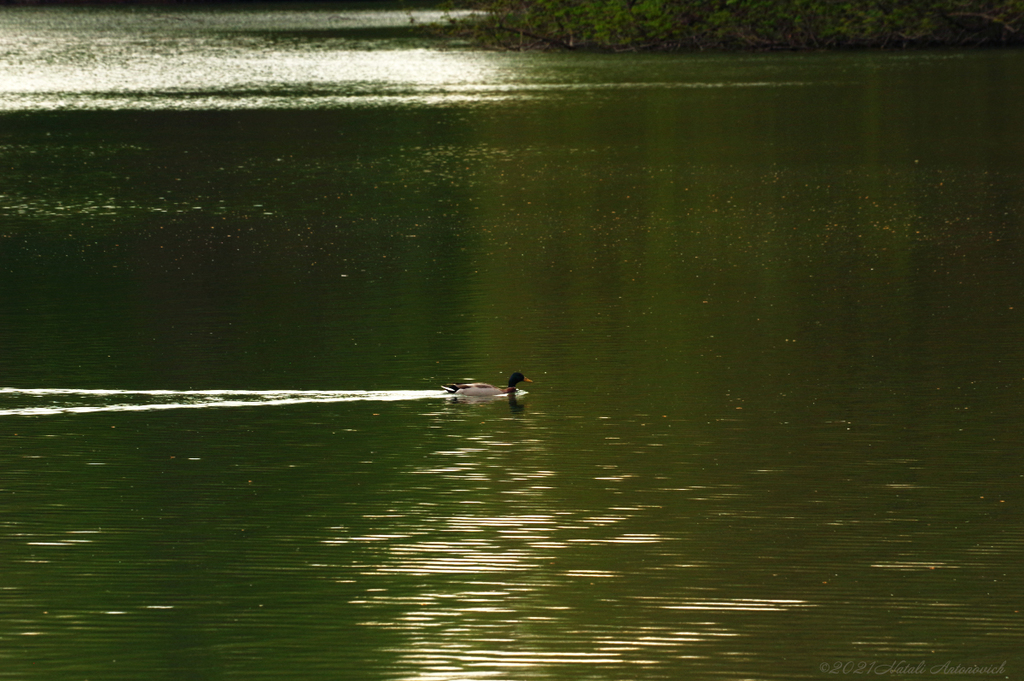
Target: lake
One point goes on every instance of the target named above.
(771, 306)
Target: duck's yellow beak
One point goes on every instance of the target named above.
(528, 380)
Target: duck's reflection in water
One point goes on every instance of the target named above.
(514, 404)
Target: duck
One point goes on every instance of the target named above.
(486, 389)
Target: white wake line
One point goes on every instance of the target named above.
(353, 394)
(202, 399)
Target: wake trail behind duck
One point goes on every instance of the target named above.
(47, 401)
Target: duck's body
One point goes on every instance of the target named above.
(486, 389)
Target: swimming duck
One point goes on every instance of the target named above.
(486, 389)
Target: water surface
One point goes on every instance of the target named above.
(771, 306)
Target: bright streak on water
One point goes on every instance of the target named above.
(190, 399)
(198, 60)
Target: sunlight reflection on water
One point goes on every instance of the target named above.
(502, 588)
(224, 60)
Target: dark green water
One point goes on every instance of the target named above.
(771, 305)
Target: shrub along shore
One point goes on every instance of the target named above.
(633, 25)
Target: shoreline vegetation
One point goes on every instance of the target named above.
(675, 25)
(678, 25)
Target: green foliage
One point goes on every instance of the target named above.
(738, 24)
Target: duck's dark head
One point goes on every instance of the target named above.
(517, 378)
